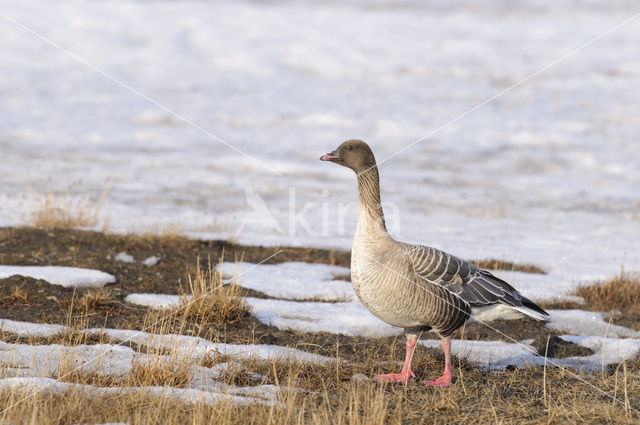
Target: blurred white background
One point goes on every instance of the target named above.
(547, 173)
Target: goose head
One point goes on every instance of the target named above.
(354, 154)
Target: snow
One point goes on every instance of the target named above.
(199, 347)
(33, 367)
(124, 257)
(46, 360)
(191, 346)
(497, 355)
(545, 174)
(127, 258)
(118, 361)
(292, 280)
(64, 276)
(187, 395)
(587, 323)
(606, 350)
(494, 354)
(151, 261)
(157, 301)
(350, 318)
(31, 329)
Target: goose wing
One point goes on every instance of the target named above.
(476, 286)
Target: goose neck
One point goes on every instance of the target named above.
(369, 197)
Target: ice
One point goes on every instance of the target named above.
(292, 280)
(64, 276)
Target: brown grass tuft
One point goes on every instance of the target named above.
(210, 300)
(17, 293)
(173, 373)
(65, 212)
(621, 292)
(495, 264)
(95, 298)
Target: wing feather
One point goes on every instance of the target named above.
(477, 287)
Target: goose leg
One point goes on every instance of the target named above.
(445, 379)
(406, 373)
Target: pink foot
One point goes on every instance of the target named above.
(396, 377)
(443, 381)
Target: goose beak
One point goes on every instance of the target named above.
(329, 156)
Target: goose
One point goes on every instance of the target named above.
(417, 287)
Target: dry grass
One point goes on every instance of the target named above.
(167, 233)
(495, 264)
(338, 392)
(621, 292)
(65, 211)
(209, 300)
(511, 397)
(329, 393)
(17, 293)
(156, 371)
(94, 298)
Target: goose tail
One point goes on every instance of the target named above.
(531, 309)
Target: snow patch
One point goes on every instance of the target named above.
(292, 280)
(157, 301)
(345, 318)
(191, 346)
(198, 347)
(124, 257)
(587, 323)
(187, 395)
(606, 350)
(31, 329)
(497, 355)
(151, 261)
(63, 276)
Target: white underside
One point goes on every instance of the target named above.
(502, 312)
